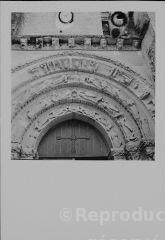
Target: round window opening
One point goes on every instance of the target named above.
(66, 17)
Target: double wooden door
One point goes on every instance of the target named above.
(73, 139)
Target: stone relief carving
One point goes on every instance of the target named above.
(16, 149)
(77, 63)
(103, 85)
(151, 56)
(123, 77)
(147, 150)
(29, 155)
(97, 98)
(116, 139)
(151, 107)
(90, 65)
(30, 114)
(134, 108)
(39, 124)
(145, 126)
(88, 96)
(118, 154)
(90, 81)
(54, 66)
(108, 106)
(65, 54)
(143, 91)
(128, 130)
(132, 152)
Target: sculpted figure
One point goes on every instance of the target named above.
(107, 87)
(136, 85)
(146, 127)
(119, 95)
(103, 85)
(54, 97)
(59, 79)
(103, 121)
(127, 129)
(109, 127)
(70, 78)
(151, 107)
(107, 105)
(88, 96)
(90, 81)
(29, 114)
(132, 138)
(74, 93)
(132, 105)
(125, 124)
(65, 79)
(143, 91)
(37, 126)
(123, 77)
(145, 94)
(116, 139)
(76, 63)
(127, 101)
(90, 65)
(113, 108)
(135, 111)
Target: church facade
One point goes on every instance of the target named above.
(83, 86)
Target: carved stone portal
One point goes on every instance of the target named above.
(114, 98)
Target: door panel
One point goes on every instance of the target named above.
(72, 139)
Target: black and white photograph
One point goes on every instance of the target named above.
(82, 120)
(83, 85)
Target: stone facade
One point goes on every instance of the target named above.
(113, 97)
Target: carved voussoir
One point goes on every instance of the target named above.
(118, 153)
(132, 152)
(147, 149)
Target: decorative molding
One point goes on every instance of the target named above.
(136, 85)
(118, 153)
(103, 89)
(91, 98)
(102, 94)
(39, 125)
(84, 55)
(151, 57)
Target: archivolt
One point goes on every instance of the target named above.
(79, 93)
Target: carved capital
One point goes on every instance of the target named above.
(132, 152)
(118, 154)
(15, 150)
(29, 155)
(147, 149)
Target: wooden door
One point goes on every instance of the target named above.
(73, 139)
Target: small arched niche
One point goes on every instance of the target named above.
(74, 139)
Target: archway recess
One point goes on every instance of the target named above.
(112, 96)
(74, 139)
